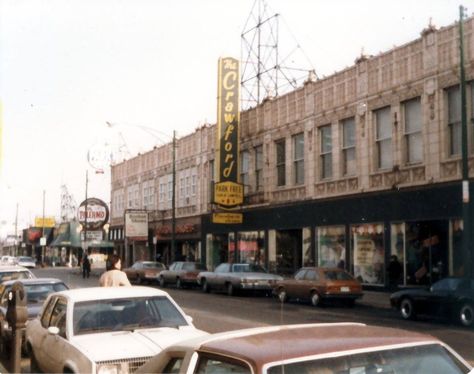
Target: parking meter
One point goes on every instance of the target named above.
(17, 315)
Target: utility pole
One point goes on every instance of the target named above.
(16, 231)
(173, 203)
(85, 217)
(466, 257)
(43, 251)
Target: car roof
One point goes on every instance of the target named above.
(263, 345)
(13, 268)
(103, 293)
(33, 281)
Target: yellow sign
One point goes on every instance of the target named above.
(48, 222)
(228, 193)
(227, 218)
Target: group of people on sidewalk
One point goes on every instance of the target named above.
(113, 277)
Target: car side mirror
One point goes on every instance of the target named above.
(53, 330)
(189, 319)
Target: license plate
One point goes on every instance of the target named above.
(345, 289)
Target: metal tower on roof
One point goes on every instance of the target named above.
(266, 72)
(68, 205)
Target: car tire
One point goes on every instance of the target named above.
(179, 284)
(34, 368)
(350, 303)
(162, 282)
(407, 309)
(466, 314)
(282, 295)
(315, 299)
(205, 286)
(230, 289)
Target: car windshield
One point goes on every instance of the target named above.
(248, 268)
(448, 284)
(12, 275)
(433, 359)
(193, 266)
(125, 314)
(336, 275)
(26, 259)
(37, 293)
(153, 265)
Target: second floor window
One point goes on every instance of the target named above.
(259, 168)
(244, 169)
(349, 146)
(325, 133)
(413, 135)
(281, 162)
(298, 158)
(454, 121)
(383, 138)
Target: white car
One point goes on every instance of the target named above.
(26, 261)
(15, 272)
(310, 348)
(8, 261)
(105, 329)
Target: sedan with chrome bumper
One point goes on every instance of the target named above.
(105, 329)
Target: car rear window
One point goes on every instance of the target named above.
(191, 266)
(337, 275)
(433, 359)
(12, 275)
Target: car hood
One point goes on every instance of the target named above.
(131, 344)
(256, 275)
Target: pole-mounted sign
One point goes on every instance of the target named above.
(228, 192)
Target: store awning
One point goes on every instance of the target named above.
(68, 235)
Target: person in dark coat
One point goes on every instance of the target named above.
(86, 266)
(395, 270)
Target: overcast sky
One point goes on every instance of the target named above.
(69, 66)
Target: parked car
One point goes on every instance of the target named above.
(105, 329)
(37, 290)
(449, 298)
(8, 261)
(27, 262)
(311, 348)
(14, 272)
(181, 273)
(318, 285)
(142, 271)
(232, 277)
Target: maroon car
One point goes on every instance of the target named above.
(181, 273)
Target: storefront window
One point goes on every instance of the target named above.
(331, 246)
(396, 268)
(289, 244)
(251, 246)
(368, 253)
(455, 255)
(217, 250)
(308, 258)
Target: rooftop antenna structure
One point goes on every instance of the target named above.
(266, 71)
(68, 205)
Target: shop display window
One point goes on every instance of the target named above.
(251, 247)
(368, 253)
(331, 244)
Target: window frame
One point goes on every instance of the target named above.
(298, 158)
(280, 160)
(383, 142)
(325, 155)
(348, 147)
(412, 133)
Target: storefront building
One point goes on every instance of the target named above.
(354, 168)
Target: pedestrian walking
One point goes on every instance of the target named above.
(115, 276)
(395, 270)
(86, 266)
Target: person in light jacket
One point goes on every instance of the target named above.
(115, 276)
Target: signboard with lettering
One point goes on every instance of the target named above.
(136, 225)
(97, 213)
(227, 218)
(228, 118)
(45, 222)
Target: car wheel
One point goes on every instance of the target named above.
(205, 286)
(34, 368)
(350, 302)
(178, 283)
(282, 296)
(162, 282)
(407, 309)
(315, 299)
(466, 315)
(230, 289)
